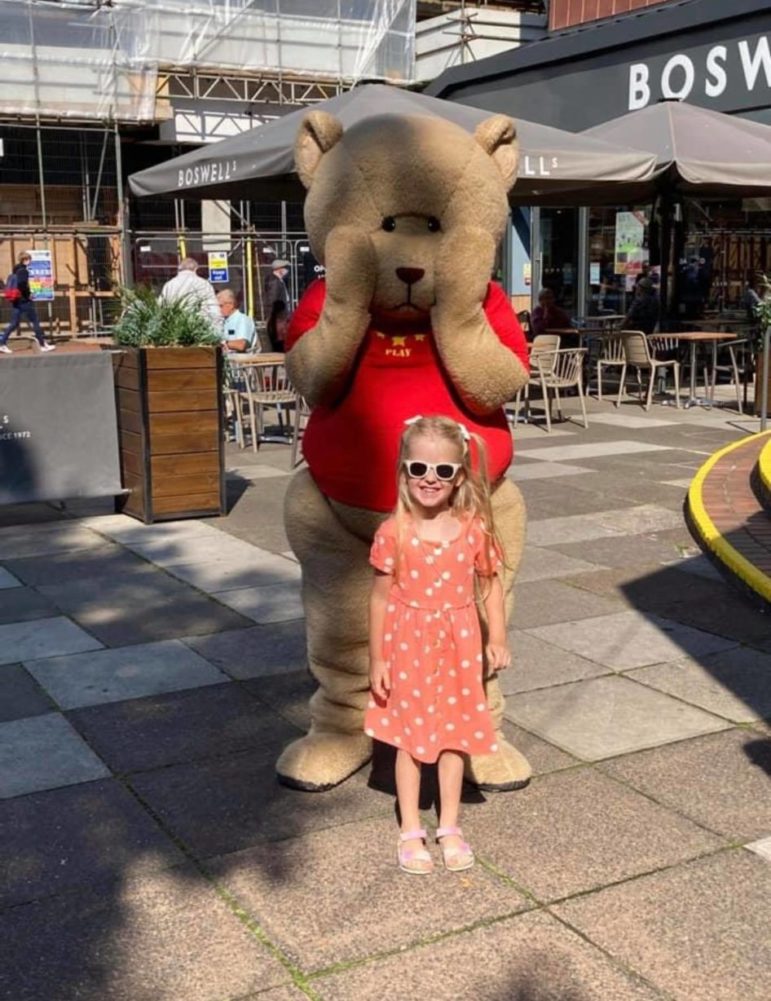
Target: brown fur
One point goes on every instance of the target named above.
(412, 169)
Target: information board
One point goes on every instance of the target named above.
(218, 267)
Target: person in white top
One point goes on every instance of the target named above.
(188, 285)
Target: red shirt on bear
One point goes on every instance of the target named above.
(351, 446)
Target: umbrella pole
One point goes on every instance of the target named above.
(665, 231)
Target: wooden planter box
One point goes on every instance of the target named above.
(170, 426)
(758, 386)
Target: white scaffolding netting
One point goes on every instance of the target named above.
(91, 59)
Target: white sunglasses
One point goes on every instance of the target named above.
(446, 471)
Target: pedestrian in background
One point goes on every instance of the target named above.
(277, 304)
(187, 285)
(23, 309)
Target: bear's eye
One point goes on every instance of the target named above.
(433, 224)
(388, 224)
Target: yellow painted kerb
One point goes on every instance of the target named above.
(712, 538)
(764, 467)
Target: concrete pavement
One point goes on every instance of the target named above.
(150, 675)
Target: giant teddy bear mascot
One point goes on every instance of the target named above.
(405, 213)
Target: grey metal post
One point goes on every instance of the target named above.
(764, 383)
(582, 262)
(536, 254)
(127, 278)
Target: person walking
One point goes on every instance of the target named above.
(277, 304)
(23, 308)
(426, 647)
(188, 285)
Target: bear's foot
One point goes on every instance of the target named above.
(321, 761)
(503, 771)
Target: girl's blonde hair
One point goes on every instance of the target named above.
(470, 497)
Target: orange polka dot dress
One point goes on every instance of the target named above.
(433, 644)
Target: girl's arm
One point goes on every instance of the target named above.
(498, 656)
(379, 675)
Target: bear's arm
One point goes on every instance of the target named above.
(484, 351)
(322, 341)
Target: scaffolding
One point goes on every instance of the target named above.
(101, 59)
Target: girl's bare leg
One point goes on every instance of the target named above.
(450, 769)
(408, 794)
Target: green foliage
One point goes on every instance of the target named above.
(146, 322)
(763, 313)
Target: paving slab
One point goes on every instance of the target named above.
(81, 835)
(23, 604)
(601, 717)
(632, 422)
(275, 883)
(539, 470)
(273, 603)
(160, 936)
(543, 501)
(576, 830)
(696, 601)
(735, 684)
(105, 560)
(647, 549)
(220, 806)
(44, 752)
(526, 958)
(538, 664)
(720, 781)
(696, 931)
(140, 607)
(261, 651)
(7, 580)
(543, 602)
(588, 450)
(624, 640)
(287, 694)
(636, 520)
(543, 757)
(177, 551)
(181, 726)
(543, 564)
(89, 679)
(19, 541)
(43, 638)
(20, 694)
(256, 569)
(129, 531)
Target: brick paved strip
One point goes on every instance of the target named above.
(726, 516)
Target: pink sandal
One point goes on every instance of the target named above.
(455, 859)
(415, 861)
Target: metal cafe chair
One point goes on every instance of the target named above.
(734, 349)
(542, 351)
(637, 355)
(611, 356)
(266, 388)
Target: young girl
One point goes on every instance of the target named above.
(426, 655)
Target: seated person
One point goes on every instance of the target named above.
(547, 315)
(238, 332)
(644, 311)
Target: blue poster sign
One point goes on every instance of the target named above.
(218, 267)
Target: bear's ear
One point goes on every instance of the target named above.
(498, 137)
(318, 134)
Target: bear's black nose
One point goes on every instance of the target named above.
(410, 275)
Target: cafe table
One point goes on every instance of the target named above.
(254, 362)
(694, 337)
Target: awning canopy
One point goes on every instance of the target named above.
(698, 152)
(259, 164)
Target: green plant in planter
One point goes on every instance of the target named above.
(762, 311)
(147, 321)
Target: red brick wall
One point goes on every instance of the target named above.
(565, 13)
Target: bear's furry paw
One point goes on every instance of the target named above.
(321, 761)
(503, 771)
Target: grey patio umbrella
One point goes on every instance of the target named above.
(698, 152)
(259, 164)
